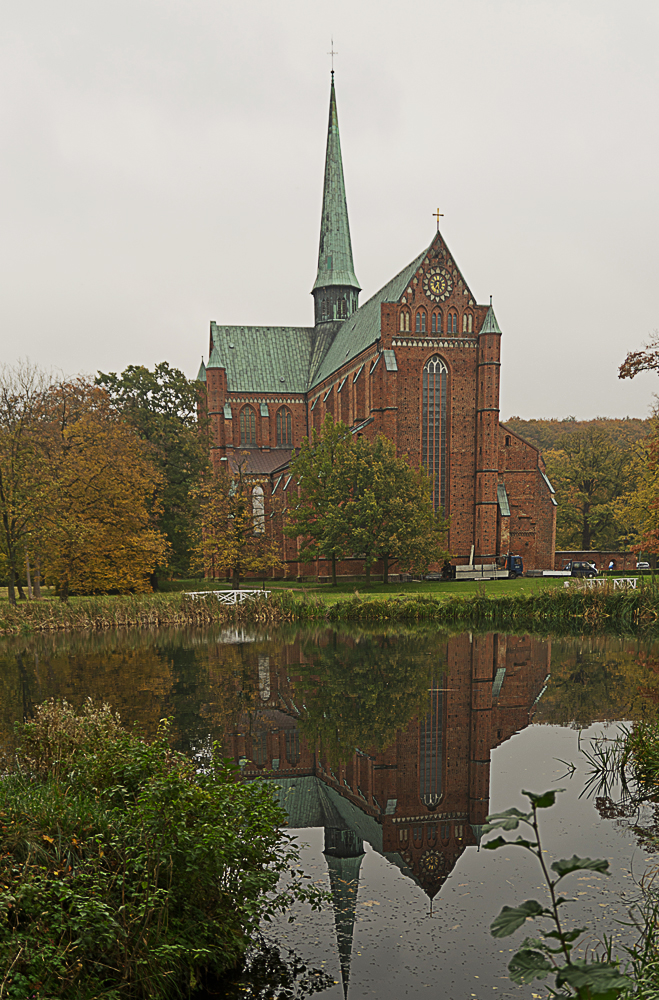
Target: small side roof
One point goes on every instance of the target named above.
(201, 374)
(490, 324)
(264, 358)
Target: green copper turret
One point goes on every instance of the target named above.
(336, 291)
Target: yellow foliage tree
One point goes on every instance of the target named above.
(94, 489)
(234, 530)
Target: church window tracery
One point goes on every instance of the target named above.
(452, 323)
(258, 510)
(247, 426)
(437, 321)
(421, 321)
(430, 750)
(284, 427)
(434, 428)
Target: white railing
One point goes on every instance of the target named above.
(619, 582)
(229, 596)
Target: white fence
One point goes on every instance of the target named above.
(619, 582)
(229, 596)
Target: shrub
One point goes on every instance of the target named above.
(126, 870)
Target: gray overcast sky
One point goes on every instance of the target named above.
(162, 166)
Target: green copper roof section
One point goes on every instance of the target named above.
(490, 324)
(363, 328)
(201, 374)
(215, 361)
(264, 358)
(335, 265)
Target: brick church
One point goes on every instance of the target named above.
(418, 362)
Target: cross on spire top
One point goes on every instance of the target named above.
(438, 215)
(332, 53)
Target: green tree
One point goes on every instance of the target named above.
(355, 496)
(315, 471)
(234, 531)
(162, 407)
(590, 472)
(385, 509)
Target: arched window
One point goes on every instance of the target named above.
(430, 750)
(404, 321)
(433, 427)
(258, 510)
(437, 321)
(467, 323)
(284, 426)
(247, 425)
(421, 321)
(452, 324)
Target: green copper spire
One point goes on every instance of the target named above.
(336, 289)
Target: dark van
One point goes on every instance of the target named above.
(582, 569)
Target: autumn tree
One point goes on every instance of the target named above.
(318, 493)
(638, 507)
(590, 472)
(94, 492)
(162, 407)
(22, 390)
(234, 530)
(646, 360)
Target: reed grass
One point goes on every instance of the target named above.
(570, 610)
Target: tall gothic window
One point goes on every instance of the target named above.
(437, 321)
(430, 750)
(452, 323)
(247, 425)
(421, 321)
(404, 321)
(284, 426)
(258, 510)
(433, 427)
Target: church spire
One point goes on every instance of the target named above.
(336, 289)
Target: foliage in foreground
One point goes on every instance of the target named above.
(125, 871)
(551, 954)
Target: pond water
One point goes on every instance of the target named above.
(387, 750)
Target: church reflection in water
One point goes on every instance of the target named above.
(421, 797)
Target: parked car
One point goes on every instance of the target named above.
(582, 569)
(642, 565)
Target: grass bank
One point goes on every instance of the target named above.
(548, 608)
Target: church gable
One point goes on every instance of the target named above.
(437, 299)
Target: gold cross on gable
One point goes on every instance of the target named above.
(438, 215)
(332, 53)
